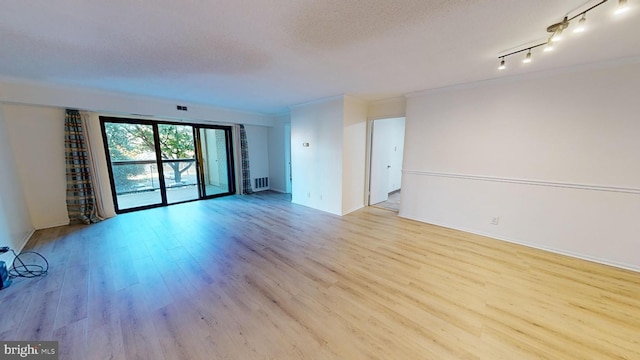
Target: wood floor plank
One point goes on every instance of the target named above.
(72, 341)
(40, 316)
(152, 285)
(140, 340)
(14, 305)
(102, 303)
(184, 332)
(123, 270)
(74, 296)
(106, 341)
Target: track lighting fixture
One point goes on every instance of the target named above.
(557, 30)
(502, 65)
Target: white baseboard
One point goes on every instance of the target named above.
(620, 265)
(48, 226)
(25, 240)
(352, 210)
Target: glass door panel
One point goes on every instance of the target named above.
(177, 150)
(134, 170)
(184, 187)
(215, 164)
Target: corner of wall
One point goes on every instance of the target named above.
(15, 221)
(387, 108)
(316, 154)
(354, 154)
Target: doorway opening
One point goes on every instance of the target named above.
(385, 167)
(155, 163)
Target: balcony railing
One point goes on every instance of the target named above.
(137, 182)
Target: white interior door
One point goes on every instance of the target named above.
(287, 158)
(378, 187)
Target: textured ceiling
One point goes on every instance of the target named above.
(264, 56)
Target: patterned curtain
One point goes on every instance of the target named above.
(80, 195)
(244, 154)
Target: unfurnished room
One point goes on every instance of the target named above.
(382, 179)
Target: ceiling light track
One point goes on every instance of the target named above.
(556, 30)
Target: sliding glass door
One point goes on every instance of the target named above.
(156, 163)
(216, 176)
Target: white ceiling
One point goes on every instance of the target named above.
(264, 56)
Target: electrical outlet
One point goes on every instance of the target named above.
(495, 220)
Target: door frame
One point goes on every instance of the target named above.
(367, 167)
(198, 158)
(368, 155)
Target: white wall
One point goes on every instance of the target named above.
(329, 174)
(257, 140)
(105, 102)
(36, 135)
(353, 154)
(554, 157)
(15, 222)
(277, 154)
(317, 169)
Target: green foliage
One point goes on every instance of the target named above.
(120, 145)
(176, 142)
(136, 142)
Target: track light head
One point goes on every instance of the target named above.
(502, 65)
(527, 58)
(622, 7)
(549, 46)
(581, 27)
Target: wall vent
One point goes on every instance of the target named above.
(181, 107)
(261, 182)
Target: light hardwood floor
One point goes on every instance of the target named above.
(256, 277)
